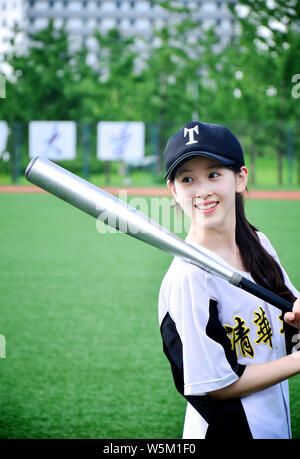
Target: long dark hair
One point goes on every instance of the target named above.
(262, 266)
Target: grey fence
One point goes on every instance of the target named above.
(272, 154)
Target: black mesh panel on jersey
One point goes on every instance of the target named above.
(225, 418)
(172, 346)
(217, 332)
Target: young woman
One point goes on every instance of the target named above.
(230, 352)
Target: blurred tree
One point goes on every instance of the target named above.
(169, 82)
(268, 52)
(250, 79)
(271, 18)
(42, 82)
(117, 78)
(183, 73)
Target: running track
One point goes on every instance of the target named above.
(254, 194)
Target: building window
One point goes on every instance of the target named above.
(51, 3)
(132, 21)
(66, 3)
(118, 4)
(132, 4)
(84, 3)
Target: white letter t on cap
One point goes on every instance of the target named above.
(191, 134)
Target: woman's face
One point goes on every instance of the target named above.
(205, 190)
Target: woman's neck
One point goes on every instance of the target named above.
(223, 243)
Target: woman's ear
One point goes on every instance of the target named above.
(172, 189)
(242, 179)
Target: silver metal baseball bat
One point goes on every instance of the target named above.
(115, 212)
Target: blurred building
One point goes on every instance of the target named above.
(12, 12)
(131, 17)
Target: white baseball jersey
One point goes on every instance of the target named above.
(211, 330)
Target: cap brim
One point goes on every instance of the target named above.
(221, 159)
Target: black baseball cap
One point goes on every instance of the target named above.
(203, 139)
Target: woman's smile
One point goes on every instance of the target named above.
(206, 207)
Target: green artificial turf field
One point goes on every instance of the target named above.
(84, 355)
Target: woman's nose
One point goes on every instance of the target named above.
(203, 193)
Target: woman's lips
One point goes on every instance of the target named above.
(207, 207)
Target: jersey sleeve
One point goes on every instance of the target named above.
(205, 364)
(288, 283)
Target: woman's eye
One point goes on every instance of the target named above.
(186, 179)
(213, 175)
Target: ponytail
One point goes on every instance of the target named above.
(263, 268)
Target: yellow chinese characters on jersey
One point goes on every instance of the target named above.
(239, 334)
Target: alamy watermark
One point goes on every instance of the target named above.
(296, 88)
(296, 348)
(2, 87)
(2, 347)
(141, 215)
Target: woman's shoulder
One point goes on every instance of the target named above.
(181, 271)
(182, 283)
(262, 236)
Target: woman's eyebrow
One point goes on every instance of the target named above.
(213, 166)
(184, 170)
(216, 166)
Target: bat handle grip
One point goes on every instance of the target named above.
(266, 295)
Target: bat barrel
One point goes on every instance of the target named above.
(115, 212)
